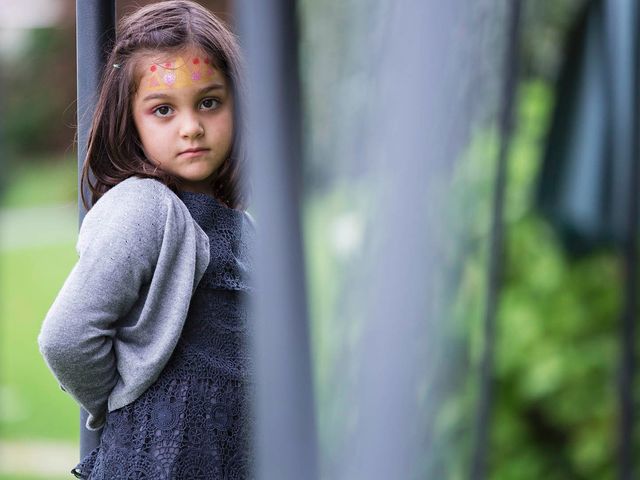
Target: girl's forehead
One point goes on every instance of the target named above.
(162, 56)
(166, 70)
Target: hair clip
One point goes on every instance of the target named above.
(116, 65)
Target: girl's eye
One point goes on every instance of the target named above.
(162, 111)
(209, 103)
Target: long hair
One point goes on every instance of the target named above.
(114, 150)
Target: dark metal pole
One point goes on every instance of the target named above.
(622, 22)
(95, 30)
(483, 415)
(284, 407)
(628, 331)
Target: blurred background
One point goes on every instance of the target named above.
(556, 346)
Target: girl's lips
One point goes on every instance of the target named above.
(192, 152)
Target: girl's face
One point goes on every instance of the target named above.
(183, 112)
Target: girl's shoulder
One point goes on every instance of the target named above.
(135, 188)
(134, 195)
(136, 207)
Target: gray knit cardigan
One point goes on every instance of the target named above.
(116, 321)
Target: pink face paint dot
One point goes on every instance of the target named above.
(153, 68)
(195, 76)
(170, 78)
(196, 61)
(167, 65)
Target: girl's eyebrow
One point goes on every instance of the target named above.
(208, 88)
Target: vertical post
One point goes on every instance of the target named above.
(485, 395)
(622, 19)
(95, 30)
(284, 407)
(628, 329)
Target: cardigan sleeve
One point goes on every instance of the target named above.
(148, 335)
(118, 247)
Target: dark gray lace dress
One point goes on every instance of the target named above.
(195, 421)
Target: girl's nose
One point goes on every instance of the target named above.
(191, 127)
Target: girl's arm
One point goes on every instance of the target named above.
(118, 244)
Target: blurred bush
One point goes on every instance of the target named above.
(40, 110)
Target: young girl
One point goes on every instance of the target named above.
(149, 331)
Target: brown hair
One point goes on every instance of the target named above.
(114, 150)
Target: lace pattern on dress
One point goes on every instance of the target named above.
(195, 421)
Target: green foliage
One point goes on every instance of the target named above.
(546, 24)
(39, 113)
(556, 345)
(557, 350)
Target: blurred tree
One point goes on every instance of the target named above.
(39, 110)
(547, 23)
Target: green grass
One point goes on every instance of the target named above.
(33, 404)
(39, 182)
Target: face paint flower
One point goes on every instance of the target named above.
(179, 72)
